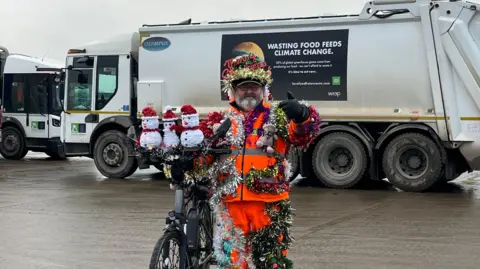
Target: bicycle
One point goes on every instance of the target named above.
(192, 214)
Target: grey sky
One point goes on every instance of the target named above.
(50, 27)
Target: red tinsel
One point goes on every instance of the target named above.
(277, 187)
(206, 125)
(305, 133)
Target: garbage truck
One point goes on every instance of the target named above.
(31, 103)
(397, 87)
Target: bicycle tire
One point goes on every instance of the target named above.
(206, 223)
(159, 246)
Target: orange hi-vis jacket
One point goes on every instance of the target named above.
(251, 157)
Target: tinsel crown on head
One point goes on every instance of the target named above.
(245, 67)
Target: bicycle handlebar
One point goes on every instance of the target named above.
(185, 159)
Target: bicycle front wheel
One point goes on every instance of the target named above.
(166, 253)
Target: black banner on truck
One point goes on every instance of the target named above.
(312, 65)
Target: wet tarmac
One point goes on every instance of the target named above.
(63, 214)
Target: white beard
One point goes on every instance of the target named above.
(248, 103)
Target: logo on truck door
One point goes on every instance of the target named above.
(156, 43)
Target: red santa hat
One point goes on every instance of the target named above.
(149, 112)
(168, 115)
(188, 111)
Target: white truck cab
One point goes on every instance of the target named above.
(397, 87)
(32, 101)
(100, 103)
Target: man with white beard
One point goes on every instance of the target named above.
(251, 199)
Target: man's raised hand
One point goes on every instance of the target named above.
(293, 109)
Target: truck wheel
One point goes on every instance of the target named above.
(12, 146)
(111, 155)
(294, 160)
(340, 160)
(133, 169)
(412, 162)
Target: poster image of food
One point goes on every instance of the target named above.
(310, 64)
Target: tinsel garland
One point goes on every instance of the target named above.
(254, 176)
(227, 239)
(235, 140)
(266, 244)
(226, 186)
(250, 121)
(206, 125)
(279, 119)
(306, 133)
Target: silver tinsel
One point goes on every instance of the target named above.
(287, 167)
(272, 115)
(227, 166)
(236, 139)
(228, 185)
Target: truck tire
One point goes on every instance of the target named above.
(294, 160)
(412, 162)
(111, 155)
(133, 169)
(13, 145)
(340, 160)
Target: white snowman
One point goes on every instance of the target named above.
(170, 137)
(191, 135)
(150, 136)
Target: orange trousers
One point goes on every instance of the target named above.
(249, 216)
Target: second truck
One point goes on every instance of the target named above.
(31, 99)
(397, 86)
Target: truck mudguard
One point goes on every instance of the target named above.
(11, 121)
(399, 127)
(118, 121)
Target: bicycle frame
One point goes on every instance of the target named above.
(177, 220)
(187, 223)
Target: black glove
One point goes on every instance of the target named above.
(293, 109)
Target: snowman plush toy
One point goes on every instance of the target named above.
(150, 137)
(191, 135)
(170, 137)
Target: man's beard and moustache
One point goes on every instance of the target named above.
(249, 102)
